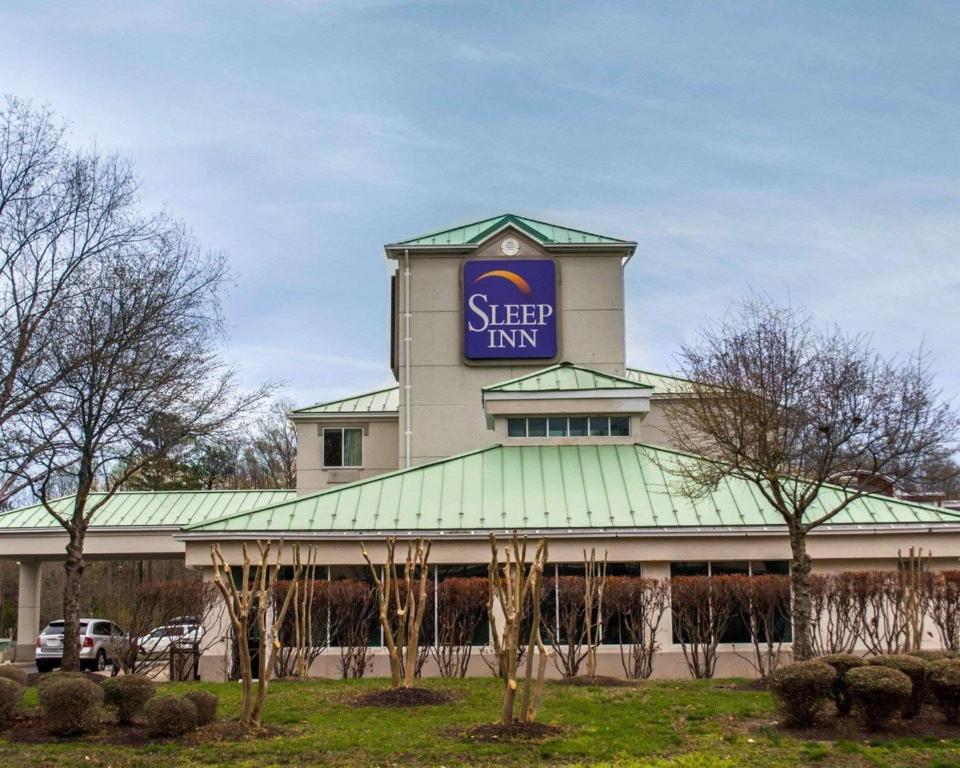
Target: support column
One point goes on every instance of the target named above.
(216, 658)
(28, 610)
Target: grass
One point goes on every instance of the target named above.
(703, 724)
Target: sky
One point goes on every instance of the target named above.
(807, 150)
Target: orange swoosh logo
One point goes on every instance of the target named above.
(513, 277)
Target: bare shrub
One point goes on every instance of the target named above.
(11, 672)
(945, 685)
(354, 603)
(156, 604)
(11, 692)
(878, 693)
(842, 663)
(801, 689)
(170, 716)
(836, 615)
(914, 668)
(702, 609)
(461, 608)
(634, 607)
(71, 704)
(763, 603)
(565, 622)
(127, 694)
(945, 608)
(206, 705)
(305, 633)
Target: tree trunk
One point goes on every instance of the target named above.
(73, 567)
(800, 581)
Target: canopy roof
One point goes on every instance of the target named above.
(541, 231)
(138, 509)
(543, 487)
(565, 377)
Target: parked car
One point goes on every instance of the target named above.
(180, 631)
(96, 638)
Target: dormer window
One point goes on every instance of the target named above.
(568, 426)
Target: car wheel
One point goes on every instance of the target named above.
(101, 662)
(44, 666)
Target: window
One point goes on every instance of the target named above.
(557, 426)
(572, 426)
(737, 631)
(536, 427)
(342, 447)
(516, 427)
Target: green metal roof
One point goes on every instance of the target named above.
(470, 234)
(541, 487)
(147, 508)
(662, 383)
(385, 400)
(565, 377)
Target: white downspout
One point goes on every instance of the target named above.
(407, 432)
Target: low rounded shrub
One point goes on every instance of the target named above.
(916, 669)
(206, 705)
(11, 672)
(59, 674)
(842, 663)
(931, 655)
(878, 693)
(801, 690)
(71, 704)
(10, 694)
(128, 694)
(170, 715)
(943, 677)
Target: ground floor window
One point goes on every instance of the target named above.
(737, 630)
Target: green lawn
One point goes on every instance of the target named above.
(663, 724)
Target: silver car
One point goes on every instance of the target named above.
(96, 637)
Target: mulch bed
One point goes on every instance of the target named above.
(831, 727)
(401, 697)
(498, 732)
(33, 729)
(600, 681)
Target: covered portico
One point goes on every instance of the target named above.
(134, 525)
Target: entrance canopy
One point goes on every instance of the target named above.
(130, 525)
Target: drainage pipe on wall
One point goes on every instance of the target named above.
(407, 431)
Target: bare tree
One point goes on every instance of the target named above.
(836, 615)
(514, 583)
(402, 608)
(269, 459)
(59, 211)
(763, 602)
(702, 609)
(251, 599)
(142, 342)
(802, 415)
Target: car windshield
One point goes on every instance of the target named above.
(56, 628)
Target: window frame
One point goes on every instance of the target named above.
(342, 431)
(567, 430)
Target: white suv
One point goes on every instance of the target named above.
(96, 637)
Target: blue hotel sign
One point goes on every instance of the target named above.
(510, 309)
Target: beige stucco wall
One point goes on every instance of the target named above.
(446, 412)
(380, 451)
(850, 550)
(831, 553)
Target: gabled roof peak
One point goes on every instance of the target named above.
(472, 234)
(566, 377)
